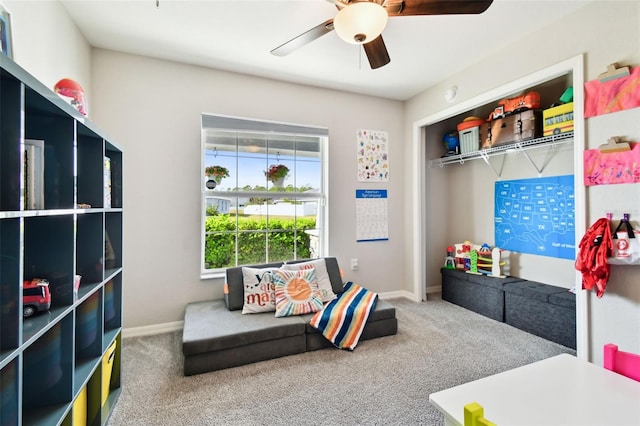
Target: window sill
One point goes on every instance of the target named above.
(212, 275)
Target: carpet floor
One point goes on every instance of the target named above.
(384, 381)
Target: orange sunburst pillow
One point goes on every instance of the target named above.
(296, 292)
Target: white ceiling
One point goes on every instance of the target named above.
(238, 36)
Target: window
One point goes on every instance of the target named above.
(263, 199)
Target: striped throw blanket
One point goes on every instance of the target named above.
(343, 319)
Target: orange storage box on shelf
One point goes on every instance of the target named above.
(530, 100)
(469, 132)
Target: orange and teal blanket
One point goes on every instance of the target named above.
(342, 320)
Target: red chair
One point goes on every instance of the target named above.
(625, 363)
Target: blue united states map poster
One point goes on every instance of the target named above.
(536, 216)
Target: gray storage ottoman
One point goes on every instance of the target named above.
(381, 322)
(215, 337)
(542, 309)
(479, 293)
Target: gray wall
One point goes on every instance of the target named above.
(152, 108)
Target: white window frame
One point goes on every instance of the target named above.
(262, 127)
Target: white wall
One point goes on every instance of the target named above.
(48, 44)
(615, 317)
(152, 109)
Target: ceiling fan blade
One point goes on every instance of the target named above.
(435, 7)
(304, 38)
(377, 53)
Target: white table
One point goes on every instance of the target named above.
(561, 390)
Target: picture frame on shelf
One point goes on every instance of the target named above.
(6, 43)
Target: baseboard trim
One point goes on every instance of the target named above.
(149, 330)
(396, 295)
(434, 289)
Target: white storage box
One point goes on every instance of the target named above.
(469, 140)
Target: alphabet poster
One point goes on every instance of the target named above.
(373, 156)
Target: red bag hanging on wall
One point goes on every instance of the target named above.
(594, 249)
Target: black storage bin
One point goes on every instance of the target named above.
(479, 293)
(541, 309)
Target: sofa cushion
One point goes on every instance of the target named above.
(233, 357)
(210, 326)
(296, 292)
(259, 290)
(234, 287)
(384, 310)
(322, 275)
(372, 330)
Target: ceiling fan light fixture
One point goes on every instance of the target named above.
(360, 22)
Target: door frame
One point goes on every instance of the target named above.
(573, 66)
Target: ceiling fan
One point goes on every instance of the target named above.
(362, 22)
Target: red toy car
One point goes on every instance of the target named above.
(35, 296)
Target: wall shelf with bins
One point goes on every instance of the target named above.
(60, 366)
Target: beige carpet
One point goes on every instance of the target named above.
(385, 381)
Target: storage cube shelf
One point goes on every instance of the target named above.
(58, 220)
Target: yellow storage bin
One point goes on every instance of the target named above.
(80, 409)
(107, 367)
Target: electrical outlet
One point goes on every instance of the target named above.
(354, 264)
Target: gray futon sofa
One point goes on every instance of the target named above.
(217, 335)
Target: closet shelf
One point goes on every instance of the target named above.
(550, 142)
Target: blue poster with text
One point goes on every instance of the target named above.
(536, 216)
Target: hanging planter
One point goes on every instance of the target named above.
(215, 174)
(276, 174)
